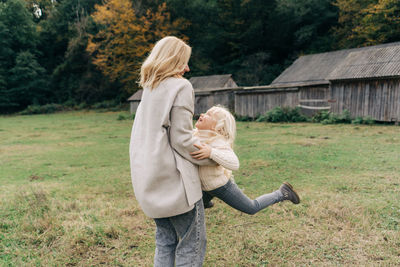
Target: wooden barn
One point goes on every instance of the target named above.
(212, 90)
(361, 80)
(367, 83)
(134, 100)
(209, 91)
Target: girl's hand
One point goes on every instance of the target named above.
(204, 152)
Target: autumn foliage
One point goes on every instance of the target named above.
(124, 38)
(367, 22)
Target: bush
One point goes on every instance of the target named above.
(122, 117)
(327, 117)
(242, 118)
(360, 120)
(320, 116)
(368, 120)
(107, 104)
(284, 114)
(45, 109)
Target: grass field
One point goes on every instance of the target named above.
(67, 200)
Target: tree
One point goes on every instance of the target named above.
(27, 84)
(124, 39)
(307, 24)
(380, 23)
(18, 42)
(367, 22)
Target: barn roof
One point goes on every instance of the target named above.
(318, 67)
(211, 81)
(376, 63)
(136, 96)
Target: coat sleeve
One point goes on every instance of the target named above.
(181, 126)
(225, 157)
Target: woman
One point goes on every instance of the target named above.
(164, 175)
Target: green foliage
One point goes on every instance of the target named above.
(327, 117)
(106, 104)
(27, 81)
(367, 22)
(366, 120)
(242, 118)
(22, 79)
(123, 116)
(45, 109)
(283, 114)
(253, 39)
(320, 116)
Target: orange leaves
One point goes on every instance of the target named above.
(124, 39)
(367, 22)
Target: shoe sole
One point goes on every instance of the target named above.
(297, 200)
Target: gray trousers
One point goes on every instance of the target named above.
(181, 239)
(231, 194)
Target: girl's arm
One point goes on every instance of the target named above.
(224, 156)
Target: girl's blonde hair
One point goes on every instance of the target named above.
(168, 58)
(226, 124)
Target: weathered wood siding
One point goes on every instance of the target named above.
(379, 99)
(313, 96)
(133, 106)
(205, 100)
(314, 92)
(253, 103)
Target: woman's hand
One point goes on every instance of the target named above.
(204, 152)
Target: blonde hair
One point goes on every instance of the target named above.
(168, 58)
(226, 124)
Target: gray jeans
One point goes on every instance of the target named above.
(231, 194)
(181, 239)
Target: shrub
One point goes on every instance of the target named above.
(368, 120)
(344, 117)
(107, 104)
(45, 109)
(320, 116)
(122, 117)
(360, 120)
(80, 106)
(357, 120)
(295, 115)
(327, 117)
(285, 114)
(242, 118)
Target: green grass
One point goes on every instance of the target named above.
(67, 200)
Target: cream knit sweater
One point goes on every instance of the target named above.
(212, 177)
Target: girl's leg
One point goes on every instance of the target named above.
(234, 197)
(207, 200)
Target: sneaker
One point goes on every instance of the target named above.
(208, 205)
(288, 193)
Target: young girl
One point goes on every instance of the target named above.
(216, 130)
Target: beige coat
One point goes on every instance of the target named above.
(165, 180)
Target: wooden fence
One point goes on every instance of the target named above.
(379, 99)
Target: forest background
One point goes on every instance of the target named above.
(81, 52)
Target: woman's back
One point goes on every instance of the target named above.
(155, 176)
